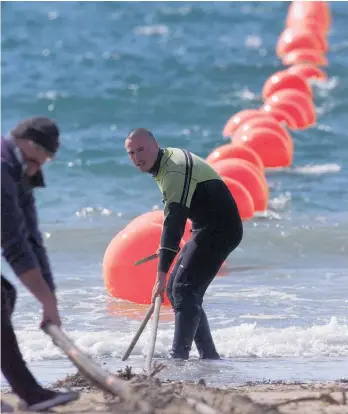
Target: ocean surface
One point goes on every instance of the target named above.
(280, 308)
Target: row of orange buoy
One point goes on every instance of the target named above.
(259, 139)
(305, 36)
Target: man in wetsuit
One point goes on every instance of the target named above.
(191, 189)
(32, 142)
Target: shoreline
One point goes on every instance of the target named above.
(147, 394)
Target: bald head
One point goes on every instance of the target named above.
(141, 133)
(142, 148)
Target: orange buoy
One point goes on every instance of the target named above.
(307, 28)
(311, 25)
(304, 56)
(303, 10)
(249, 176)
(291, 39)
(283, 117)
(293, 95)
(242, 198)
(308, 71)
(285, 80)
(157, 216)
(122, 278)
(154, 216)
(292, 108)
(237, 119)
(265, 122)
(272, 147)
(235, 151)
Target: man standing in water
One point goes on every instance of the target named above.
(32, 142)
(191, 189)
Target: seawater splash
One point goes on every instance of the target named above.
(243, 340)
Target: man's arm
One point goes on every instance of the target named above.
(16, 248)
(175, 217)
(37, 244)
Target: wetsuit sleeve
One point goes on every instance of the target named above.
(175, 215)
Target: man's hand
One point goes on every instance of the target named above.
(36, 284)
(160, 286)
(50, 313)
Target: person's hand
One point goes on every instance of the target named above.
(50, 313)
(159, 287)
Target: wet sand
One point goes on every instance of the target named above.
(147, 394)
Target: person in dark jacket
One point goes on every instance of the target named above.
(191, 189)
(31, 143)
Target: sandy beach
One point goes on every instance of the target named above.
(147, 394)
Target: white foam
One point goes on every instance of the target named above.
(318, 169)
(280, 202)
(265, 293)
(268, 317)
(244, 340)
(182, 10)
(247, 95)
(323, 127)
(253, 42)
(251, 340)
(90, 211)
(159, 29)
(325, 86)
(268, 214)
(52, 95)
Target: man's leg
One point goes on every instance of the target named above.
(199, 264)
(204, 340)
(196, 269)
(13, 365)
(171, 279)
(222, 244)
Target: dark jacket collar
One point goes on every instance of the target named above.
(155, 168)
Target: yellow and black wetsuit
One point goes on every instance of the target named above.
(192, 189)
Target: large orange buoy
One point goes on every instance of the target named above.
(305, 56)
(283, 117)
(265, 122)
(308, 71)
(292, 39)
(154, 216)
(303, 10)
(122, 278)
(249, 176)
(235, 151)
(293, 95)
(285, 80)
(292, 108)
(242, 198)
(237, 119)
(157, 216)
(272, 147)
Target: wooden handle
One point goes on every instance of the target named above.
(146, 259)
(140, 330)
(86, 365)
(153, 334)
